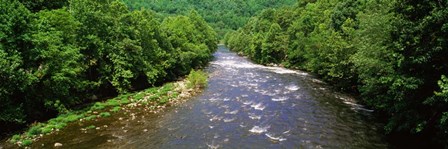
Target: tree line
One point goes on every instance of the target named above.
(58, 55)
(223, 15)
(393, 53)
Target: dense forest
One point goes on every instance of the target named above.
(61, 55)
(58, 55)
(391, 52)
(223, 15)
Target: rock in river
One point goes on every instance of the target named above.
(57, 145)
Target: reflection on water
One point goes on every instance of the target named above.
(245, 106)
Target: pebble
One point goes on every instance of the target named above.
(57, 145)
(146, 130)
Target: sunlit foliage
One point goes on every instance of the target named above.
(56, 55)
(393, 53)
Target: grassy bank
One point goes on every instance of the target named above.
(151, 100)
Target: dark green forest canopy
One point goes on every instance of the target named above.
(393, 53)
(223, 15)
(56, 55)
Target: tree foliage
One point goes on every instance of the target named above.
(223, 15)
(57, 55)
(391, 52)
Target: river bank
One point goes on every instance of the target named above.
(244, 105)
(122, 108)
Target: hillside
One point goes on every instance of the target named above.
(222, 15)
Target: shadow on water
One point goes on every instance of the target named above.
(244, 106)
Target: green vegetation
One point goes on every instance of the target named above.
(223, 15)
(90, 127)
(105, 114)
(156, 96)
(56, 56)
(197, 79)
(115, 109)
(394, 53)
(91, 117)
(15, 138)
(27, 142)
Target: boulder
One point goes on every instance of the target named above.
(57, 145)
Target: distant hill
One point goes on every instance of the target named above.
(223, 15)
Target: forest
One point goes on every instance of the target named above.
(222, 15)
(59, 55)
(393, 53)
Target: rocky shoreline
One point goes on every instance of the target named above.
(128, 107)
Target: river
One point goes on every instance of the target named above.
(244, 106)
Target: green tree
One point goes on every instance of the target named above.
(391, 52)
(38, 5)
(55, 59)
(56, 55)
(187, 41)
(421, 41)
(274, 46)
(222, 15)
(14, 44)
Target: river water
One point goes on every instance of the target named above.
(244, 106)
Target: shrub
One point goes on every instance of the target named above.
(116, 109)
(90, 117)
(46, 130)
(72, 117)
(27, 142)
(35, 130)
(105, 114)
(151, 90)
(154, 97)
(139, 96)
(125, 101)
(60, 125)
(197, 79)
(98, 106)
(15, 138)
(164, 100)
(113, 102)
(166, 88)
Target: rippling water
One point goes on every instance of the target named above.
(245, 106)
